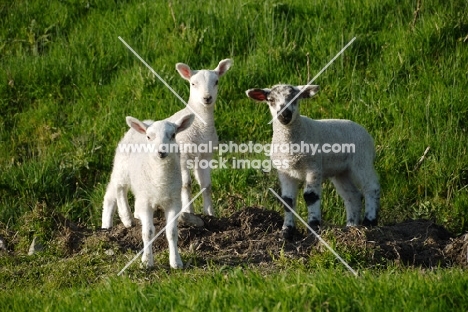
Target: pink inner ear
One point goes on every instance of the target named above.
(223, 68)
(184, 71)
(138, 128)
(257, 95)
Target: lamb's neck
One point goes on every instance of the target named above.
(288, 133)
(204, 114)
(169, 164)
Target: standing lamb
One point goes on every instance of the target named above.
(351, 171)
(152, 171)
(203, 94)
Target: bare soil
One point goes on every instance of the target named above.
(253, 235)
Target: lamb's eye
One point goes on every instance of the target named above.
(148, 137)
(216, 82)
(173, 136)
(193, 84)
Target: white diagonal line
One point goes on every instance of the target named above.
(315, 233)
(149, 245)
(316, 76)
(162, 80)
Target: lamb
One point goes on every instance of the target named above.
(203, 94)
(351, 171)
(153, 175)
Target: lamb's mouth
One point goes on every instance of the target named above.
(207, 101)
(285, 118)
(162, 155)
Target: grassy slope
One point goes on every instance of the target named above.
(67, 83)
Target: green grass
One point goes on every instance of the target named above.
(67, 83)
(239, 289)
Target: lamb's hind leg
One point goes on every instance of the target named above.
(125, 213)
(108, 207)
(371, 192)
(289, 188)
(352, 198)
(368, 182)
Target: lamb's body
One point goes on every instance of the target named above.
(350, 169)
(319, 132)
(153, 177)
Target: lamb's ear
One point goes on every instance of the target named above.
(310, 91)
(223, 66)
(184, 122)
(258, 94)
(184, 71)
(134, 123)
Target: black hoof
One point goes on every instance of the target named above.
(315, 225)
(368, 222)
(288, 232)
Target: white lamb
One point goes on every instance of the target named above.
(154, 176)
(203, 94)
(351, 171)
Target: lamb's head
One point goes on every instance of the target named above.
(161, 134)
(203, 83)
(283, 100)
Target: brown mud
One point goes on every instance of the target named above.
(253, 235)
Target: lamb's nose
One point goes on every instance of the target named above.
(285, 117)
(162, 154)
(207, 98)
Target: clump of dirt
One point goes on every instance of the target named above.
(253, 235)
(416, 242)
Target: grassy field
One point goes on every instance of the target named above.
(241, 289)
(67, 83)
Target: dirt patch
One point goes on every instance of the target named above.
(253, 235)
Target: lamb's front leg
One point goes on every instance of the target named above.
(203, 176)
(172, 236)
(312, 193)
(144, 212)
(289, 188)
